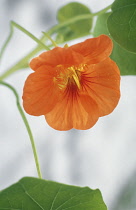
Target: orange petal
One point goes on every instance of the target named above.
(94, 50)
(40, 93)
(72, 112)
(57, 56)
(85, 113)
(35, 63)
(60, 117)
(102, 83)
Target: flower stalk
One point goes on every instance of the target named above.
(26, 125)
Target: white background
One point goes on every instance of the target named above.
(103, 157)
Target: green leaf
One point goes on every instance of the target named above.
(37, 194)
(122, 24)
(125, 60)
(121, 3)
(75, 29)
(101, 25)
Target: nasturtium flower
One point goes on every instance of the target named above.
(73, 86)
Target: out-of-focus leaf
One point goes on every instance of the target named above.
(75, 29)
(125, 60)
(36, 194)
(122, 24)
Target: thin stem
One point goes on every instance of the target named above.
(24, 61)
(27, 127)
(29, 34)
(7, 41)
(103, 10)
(77, 18)
(52, 41)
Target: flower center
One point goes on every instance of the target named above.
(69, 75)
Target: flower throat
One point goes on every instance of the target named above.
(69, 75)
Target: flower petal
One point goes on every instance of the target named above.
(57, 56)
(73, 113)
(102, 83)
(35, 63)
(85, 113)
(94, 50)
(60, 117)
(74, 99)
(40, 93)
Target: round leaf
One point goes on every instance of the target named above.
(122, 24)
(119, 3)
(78, 28)
(36, 194)
(125, 60)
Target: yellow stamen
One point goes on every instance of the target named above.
(67, 75)
(73, 74)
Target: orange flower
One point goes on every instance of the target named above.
(73, 86)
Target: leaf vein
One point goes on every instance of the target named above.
(25, 191)
(70, 199)
(122, 7)
(55, 197)
(130, 24)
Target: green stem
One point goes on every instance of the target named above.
(7, 41)
(52, 41)
(75, 19)
(23, 63)
(103, 10)
(27, 126)
(30, 35)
